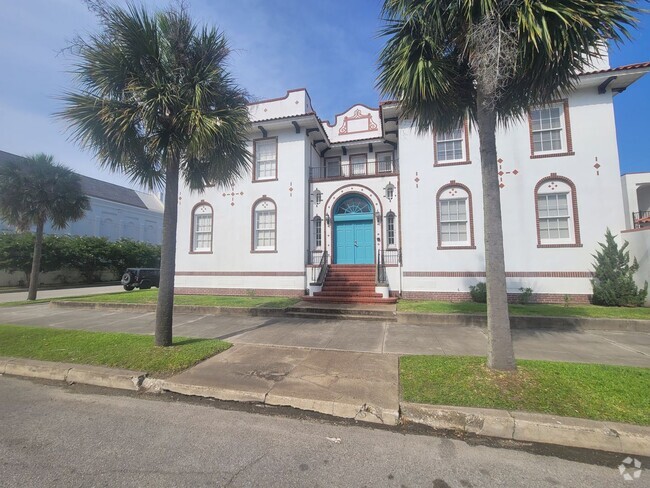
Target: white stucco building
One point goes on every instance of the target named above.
(368, 189)
(115, 212)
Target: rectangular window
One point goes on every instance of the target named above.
(333, 167)
(358, 164)
(318, 228)
(266, 151)
(384, 162)
(390, 229)
(202, 232)
(453, 221)
(547, 127)
(265, 230)
(553, 212)
(449, 145)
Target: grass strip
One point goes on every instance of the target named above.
(544, 310)
(590, 391)
(151, 296)
(116, 350)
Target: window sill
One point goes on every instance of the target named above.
(554, 246)
(201, 252)
(451, 163)
(552, 155)
(256, 251)
(262, 180)
(453, 248)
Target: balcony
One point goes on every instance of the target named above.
(355, 170)
(641, 219)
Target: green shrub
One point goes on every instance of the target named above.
(525, 295)
(613, 281)
(478, 292)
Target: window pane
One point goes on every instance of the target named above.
(546, 125)
(265, 229)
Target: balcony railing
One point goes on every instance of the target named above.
(641, 219)
(352, 170)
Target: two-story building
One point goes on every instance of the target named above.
(366, 207)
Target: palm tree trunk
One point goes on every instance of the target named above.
(165, 307)
(500, 352)
(36, 262)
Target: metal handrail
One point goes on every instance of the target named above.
(353, 170)
(319, 278)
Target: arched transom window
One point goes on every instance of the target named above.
(354, 205)
(202, 217)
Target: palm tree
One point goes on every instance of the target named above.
(156, 102)
(490, 60)
(37, 190)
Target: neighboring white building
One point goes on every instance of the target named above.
(369, 188)
(115, 212)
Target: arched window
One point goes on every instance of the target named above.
(264, 226)
(390, 229)
(202, 217)
(455, 217)
(318, 232)
(556, 212)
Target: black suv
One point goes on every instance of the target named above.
(143, 278)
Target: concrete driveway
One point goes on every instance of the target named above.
(606, 347)
(16, 296)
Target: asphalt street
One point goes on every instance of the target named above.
(53, 435)
(606, 347)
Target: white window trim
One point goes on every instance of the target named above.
(463, 145)
(562, 129)
(464, 243)
(318, 233)
(256, 230)
(562, 189)
(257, 160)
(391, 216)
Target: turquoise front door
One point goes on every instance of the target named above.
(353, 232)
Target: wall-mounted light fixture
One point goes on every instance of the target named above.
(389, 191)
(378, 217)
(318, 196)
(327, 219)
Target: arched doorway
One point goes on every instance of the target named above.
(354, 231)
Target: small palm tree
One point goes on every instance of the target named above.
(37, 190)
(490, 60)
(156, 102)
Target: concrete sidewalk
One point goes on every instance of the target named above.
(606, 347)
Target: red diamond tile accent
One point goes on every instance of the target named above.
(515, 172)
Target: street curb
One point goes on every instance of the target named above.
(151, 307)
(526, 322)
(361, 412)
(405, 318)
(121, 379)
(532, 427)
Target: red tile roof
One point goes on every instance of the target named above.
(627, 67)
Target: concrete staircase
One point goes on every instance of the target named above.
(350, 283)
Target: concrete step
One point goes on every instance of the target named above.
(343, 299)
(343, 312)
(352, 294)
(350, 288)
(329, 315)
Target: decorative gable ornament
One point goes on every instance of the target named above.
(357, 122)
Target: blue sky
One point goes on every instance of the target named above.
(329, 47)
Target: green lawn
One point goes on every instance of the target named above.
(593, 311)
(592, 391)
(128, 351)
(150, 296)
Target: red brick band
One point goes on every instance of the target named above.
(509, 274)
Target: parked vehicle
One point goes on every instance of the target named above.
(143, 278)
